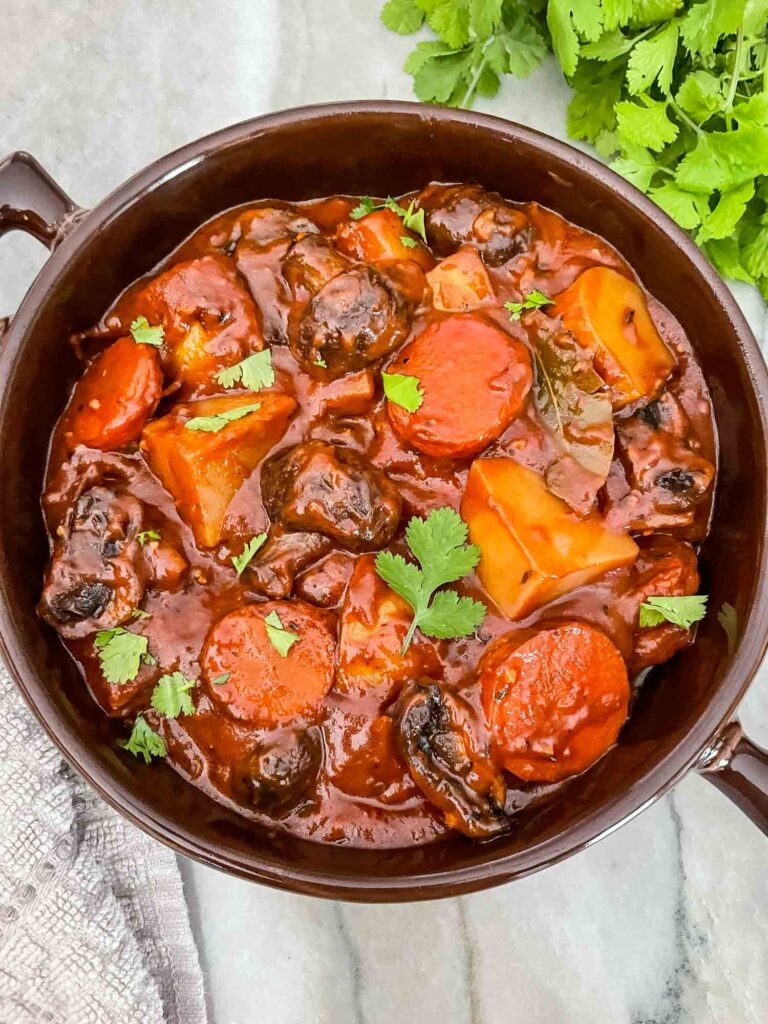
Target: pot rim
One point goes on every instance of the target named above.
(375, 887)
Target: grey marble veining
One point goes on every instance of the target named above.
(664, 922)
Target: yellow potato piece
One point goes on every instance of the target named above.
(609, 316)
(533, 547)
(460, 282)
(204, 470)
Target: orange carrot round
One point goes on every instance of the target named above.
(474, 378)
(115, 397)
(555, 699)
(247, 673)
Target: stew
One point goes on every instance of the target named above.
(369, 516)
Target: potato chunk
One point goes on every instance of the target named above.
(460, 282)
(609, 316)
(533, 548)
(204, 470)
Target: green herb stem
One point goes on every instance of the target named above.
(734, 77)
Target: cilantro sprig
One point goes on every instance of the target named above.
(121, 654)
(144, 741)
(439, 545)
(241, 561)
(412, 218)
(533, 300)
(146, 535)
(680, 611)
(170, 696)
(674, 93)
(282, 639)
(255, 372)
(144, 333)
(403, 389)
(212, 424)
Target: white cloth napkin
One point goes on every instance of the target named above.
(93, 923)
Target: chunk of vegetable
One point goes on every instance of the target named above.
(474, 378)
(609, 316)
(203, 470)
(533, 547)
(554, 698)
(373, 625)
(379, 236)
(264, 686)
(460, 282)
(114, 398)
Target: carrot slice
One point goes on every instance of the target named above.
(474, 378)
(554, 698)
(379, 236)
(252, 679)
(115, 397)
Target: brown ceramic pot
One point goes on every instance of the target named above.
(683, 720)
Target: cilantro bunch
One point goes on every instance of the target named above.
(674, 93)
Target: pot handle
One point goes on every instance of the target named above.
(739, 768)
(31, 201)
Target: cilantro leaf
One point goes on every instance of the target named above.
(721, 222)
(680, 611)
(241, 561)
(319, 361)
(282, 639)
(255, 372)
(637, 165)
(450, 615)
(439, 544)
(653, 59)
(700, 95)
(404, 390)
(212, 424)
(171, 695)
(403, 16)
(408, 242)
(365, 206)
(144, 334)
(723, 160)
(686, 208)
(645, 123)
(146, 535)
(120, 653)
(533, 300)
(222, 679)
(729, 620)
(144, 742)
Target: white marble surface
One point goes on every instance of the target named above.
(665, 922)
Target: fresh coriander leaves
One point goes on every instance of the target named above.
(412, 218)
(241, 561)
(680, 611)
(254, 372)
(212, 424)
(404, 390)
(222, 679)
(145, 334)
(121, 654)
(170, 696)
(282, 639)
(439, 544)
(533, 300)
(144, 742)
(146, 535)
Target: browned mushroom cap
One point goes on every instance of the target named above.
(434, 735)
(278, 775)
(321, 488)
(96, 576)
(357, 317)
(457, 214)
